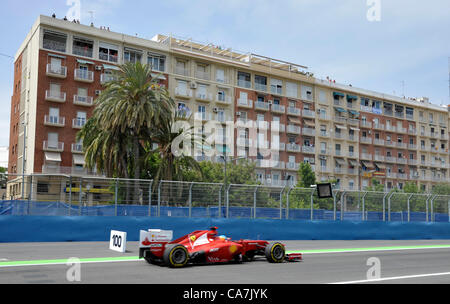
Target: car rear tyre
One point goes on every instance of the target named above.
(175, 255)
(275, 252)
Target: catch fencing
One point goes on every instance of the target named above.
(62, 195)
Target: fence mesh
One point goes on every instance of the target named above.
(51, 195)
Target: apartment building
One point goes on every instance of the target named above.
(272, 112)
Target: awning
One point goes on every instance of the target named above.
(340, 161)
(380, 166)
(294, 120)
(353, 112)
(338, 94)
(85, 61)
(367, 164)
(340, 109)
(309, 123)
(341, 127)
(354, 129)
(111, 67)
(353, 163)
(350, 97)
(78, 159)
(57, 56)
(53, 156)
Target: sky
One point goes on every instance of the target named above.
(398, 47)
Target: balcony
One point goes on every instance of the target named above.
(293, 129)
(390, 144)
(277, 146)
(366, 156)
(324, 169)
(324, 133)
(84, 75)
(401, 145)
(104, 78)
(391, 159)
(412, 131)
(309, 113)
(377, 157)
(54, 121)
(366, 140)
(86, 101)
(78, 123)
(291, 147)
(245, 103)
(75, 171)
(260, 87)
(366, 109)
(183, 93)
(276, 108)
(378, 126)
(340, 119)
(324, 116)
(412, 162)
(77, 148)
(221, 99)
(244, 84)
(260, 105)
(378, 142)
(55, 96)
(402, 160)
(309, 131)
(402, 130)
(390, 128)
(353, 122)
(340, 136)
(340, 170)
(366, 124)
(293, 111)
(325, 151)
(308, 149)
(204, 97)
(391, 175)
(56, 71)
(202, 116)
(292, 166)
(53, 146)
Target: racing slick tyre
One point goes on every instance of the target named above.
(275, 252)
(175, 255)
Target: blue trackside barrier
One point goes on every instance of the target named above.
(97, 228)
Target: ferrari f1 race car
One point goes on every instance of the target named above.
(206, 247)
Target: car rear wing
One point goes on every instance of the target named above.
(146, 238)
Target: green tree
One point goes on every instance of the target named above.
(441, 189)
(306, 176)
(411, 187)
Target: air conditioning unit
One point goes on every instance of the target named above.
(98, 92)
(193, 85)
(215, 110)
(98, 67)
(270, 102)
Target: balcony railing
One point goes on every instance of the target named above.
(76, 148)
(84, 75)
(55, 96)
(55, 121)
(78, 123)
(366, 124)
(53, 146)
(77, 171)
(223, 99)
(260, 87)
(203, 96)
(378, 126)
(366, 140)
(259, 105)
(379, 142)
(292, 166)
(309, 131)
(366, 156)
(293, 111)
(244, 84)
(203, 116)
(104, 78)
(183, 92)
(293, 147)
(308, 113)
(56, 71)
(293, 129)
(308, 149)
(278, 108)
(245, 103)
(83, 100)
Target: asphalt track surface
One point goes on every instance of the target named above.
(410, 262)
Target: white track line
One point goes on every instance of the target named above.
(395, 278)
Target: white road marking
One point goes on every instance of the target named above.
(396, 278)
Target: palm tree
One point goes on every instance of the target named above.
(126, 111)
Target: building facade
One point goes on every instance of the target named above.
(270, 111)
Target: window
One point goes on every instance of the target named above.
(82, 47)
(42, 188)
(276, 86)
(52, 140)
(182, 87)
(220, 75)
(306, 93)
(55, 41)
(108, 52)
(221, 95)
(322, 96)
(131, 55)
(53, 115)
(80, 121)
(291, 89)
(157, 62)
(244, 80)
(260, 83)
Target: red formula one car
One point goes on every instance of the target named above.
(206, 247)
